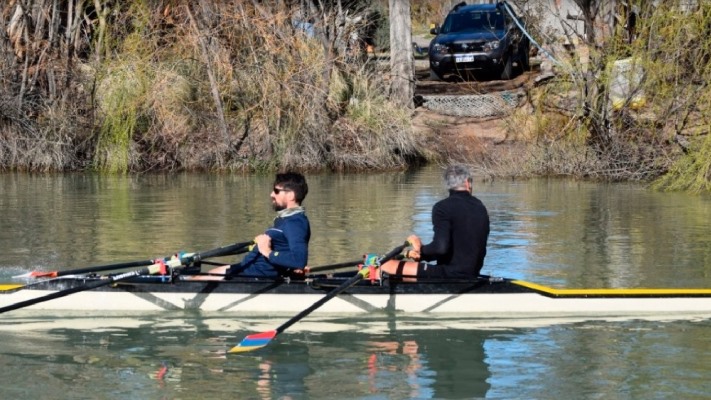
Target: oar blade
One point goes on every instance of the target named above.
(36, 274)
(39, 274)
(254, 342)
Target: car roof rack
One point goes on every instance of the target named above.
(460, 5)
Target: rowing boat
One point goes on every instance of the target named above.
(484, 297)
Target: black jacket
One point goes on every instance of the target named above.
(461, 229)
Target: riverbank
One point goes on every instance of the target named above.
(471, 137)
(135, 88)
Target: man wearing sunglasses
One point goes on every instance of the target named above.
(284, 247)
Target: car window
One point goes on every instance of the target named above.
(473, 21)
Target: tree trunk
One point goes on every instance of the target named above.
(402, 87)
(215, 90)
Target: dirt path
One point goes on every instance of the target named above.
(460, 138)
(465, 138)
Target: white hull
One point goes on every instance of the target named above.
(530, 304)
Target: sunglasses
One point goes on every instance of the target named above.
(277, 190)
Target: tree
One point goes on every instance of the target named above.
(402, 87)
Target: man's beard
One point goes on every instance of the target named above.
(278, 207)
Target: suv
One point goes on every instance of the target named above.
(478, 37)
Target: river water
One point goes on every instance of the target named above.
(559, 233)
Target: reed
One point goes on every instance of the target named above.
(193, 86)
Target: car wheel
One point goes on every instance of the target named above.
(507, 72)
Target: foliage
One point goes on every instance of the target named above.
(678, 56)
(238, 85)
(691, 172)
(372, 129)
(631, 98)
(198, 85)
(121, 96)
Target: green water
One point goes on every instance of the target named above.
(554, 232)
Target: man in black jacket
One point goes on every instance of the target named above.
(461, 229)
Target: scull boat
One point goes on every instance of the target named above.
(484, 297)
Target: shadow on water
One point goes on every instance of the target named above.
(186, 357)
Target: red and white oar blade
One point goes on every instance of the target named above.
(254, 342)
(37, 274)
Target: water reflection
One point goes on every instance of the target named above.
(554, 232)
(184, 357)
(424, 364)
(161, 362)
(436, 364)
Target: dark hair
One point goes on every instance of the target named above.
(295, 182)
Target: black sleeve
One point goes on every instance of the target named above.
(442, 235)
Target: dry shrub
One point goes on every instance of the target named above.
(561, 148)
(169, 96)
(27, 146)
(373, 133)
(166, 144)
(295, 102)
(543, 159)
(355, 147)
(198, 85)
(43, 118)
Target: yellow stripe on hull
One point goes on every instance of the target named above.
(9, 286)
(612, 292)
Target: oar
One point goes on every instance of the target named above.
(221, 251)
(151, 269)
(311, 270)
(334, 266)
(259, 340)
(98, 268)
(11, 287)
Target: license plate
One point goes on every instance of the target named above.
(464, 58)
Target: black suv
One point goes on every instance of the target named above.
(478, 37)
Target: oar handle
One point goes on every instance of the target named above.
(393, 253)
(222, 251)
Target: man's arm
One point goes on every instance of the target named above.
(296, 257)
(441, 240)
